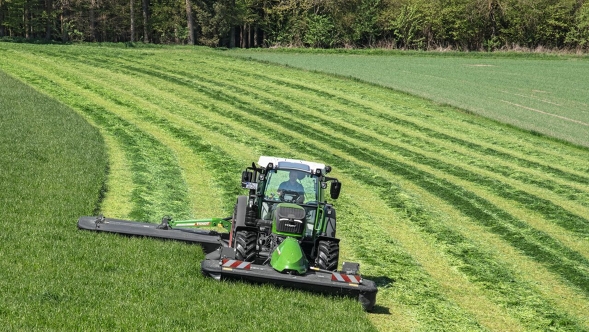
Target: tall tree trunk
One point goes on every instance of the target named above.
(104, 21)
(250, 32)
(190, 21)
(132, 18)
(62, 23)
(92, 21)
(49, 22)
(25, 19)
(245, 36)
(232, 31)
(255, 44)
(145, 21)
(2, 30)
(260, 37)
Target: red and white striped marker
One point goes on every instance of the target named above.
(349, 278)
(235, 264)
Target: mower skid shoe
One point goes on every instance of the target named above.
(318, 282)
(209, 242)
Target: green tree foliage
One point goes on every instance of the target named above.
(286, 21)
(406, 24)
(578, 36)
(320, 31)
(364, 26)
(538, 23)
(168, 22)
(408, 27)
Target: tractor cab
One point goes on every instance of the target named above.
(290, 186)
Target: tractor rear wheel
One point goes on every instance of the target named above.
(245, 245)
(328, 255)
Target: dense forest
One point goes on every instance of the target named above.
(405, 24)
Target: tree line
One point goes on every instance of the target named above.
(404, 24)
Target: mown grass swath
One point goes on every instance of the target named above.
(527, 191)
(131, 280)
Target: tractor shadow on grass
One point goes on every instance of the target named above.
(380, 310)
(381, 282)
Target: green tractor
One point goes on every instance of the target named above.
(283, 232)
(285, 220)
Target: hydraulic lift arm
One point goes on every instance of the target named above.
(168, 223)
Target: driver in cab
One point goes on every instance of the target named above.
(292, 184)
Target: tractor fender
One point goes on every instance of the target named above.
(242, 215)
(330, 221)
(240, 220)
(240, 212)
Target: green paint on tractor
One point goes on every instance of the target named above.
(289, 257)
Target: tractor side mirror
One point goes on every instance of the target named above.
(246, 178)
(335, 188)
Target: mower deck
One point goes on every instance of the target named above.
(209, 240)
(218, 266)
(314, 281)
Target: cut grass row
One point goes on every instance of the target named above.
(135, 279)
(474, 160)
(241, 110)
(553, 210)
(432, 300)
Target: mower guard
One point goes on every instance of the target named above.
(313, 281)
(209, 240)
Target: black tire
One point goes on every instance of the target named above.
(327, 255)
(245, 245)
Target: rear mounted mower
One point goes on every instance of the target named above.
(283, 232)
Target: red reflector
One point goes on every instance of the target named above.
(349, 278)
(235, 264)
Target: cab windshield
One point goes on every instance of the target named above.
(291, 186)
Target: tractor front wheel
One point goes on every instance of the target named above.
(245, 245)
(328, 255)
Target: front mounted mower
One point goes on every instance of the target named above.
(283, 232)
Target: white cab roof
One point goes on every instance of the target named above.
(291, 163)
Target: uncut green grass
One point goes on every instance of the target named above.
(418, 177)
(55, 277)
(541, 94)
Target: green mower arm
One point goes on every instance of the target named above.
(211, 222)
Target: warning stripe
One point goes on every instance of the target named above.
(235, 264)
(349, 278)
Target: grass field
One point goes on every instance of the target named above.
(465, 224)
(55, 277)
(544, 94)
